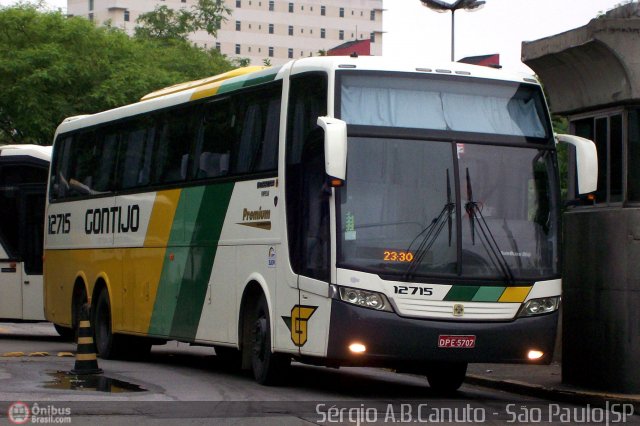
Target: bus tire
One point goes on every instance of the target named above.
(447, 378)
(108, 345)
(268, 368)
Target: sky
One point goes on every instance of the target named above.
(499, 27)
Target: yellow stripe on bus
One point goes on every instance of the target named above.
(164, 210)
(515, 294)
(85, 340)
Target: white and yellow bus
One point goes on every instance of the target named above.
(335, 211)
(24, 171)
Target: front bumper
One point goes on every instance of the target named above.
(407, 343)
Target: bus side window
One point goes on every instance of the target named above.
(216, 140)
(107, 145)
(134, 144)
(174, 141)
(268, 155)
(60, 168)
(83, 157)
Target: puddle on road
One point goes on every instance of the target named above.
(66, 381)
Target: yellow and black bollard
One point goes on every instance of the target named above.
(86, 361)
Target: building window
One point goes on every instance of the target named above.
(91, 17)
(341, 35)
(302, 7)
(271, 52)
(237, 49)
(90, 4)
(290, 30)
(290, 7)
(373, 15)
(218, 46)
(323, 10)
(271, 5)
(342, 12)
(249, 49)
(238, 26)
(184, 1)
(126, 15)
(270, 28)
(322, 33)
(290, 53)
(606, 132)
(372, 37)
(238, 3)
(301, 30)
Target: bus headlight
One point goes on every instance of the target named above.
(365, 298)
(540, 306)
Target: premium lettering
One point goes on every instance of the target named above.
(256, 214)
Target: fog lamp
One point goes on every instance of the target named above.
(535, 355)
(357, 348)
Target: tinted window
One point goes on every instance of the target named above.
(136, 150)
(174, 139)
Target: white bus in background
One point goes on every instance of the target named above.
(23, 185)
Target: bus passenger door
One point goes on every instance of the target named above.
(32, 205)
(310, 318)
(10, 286)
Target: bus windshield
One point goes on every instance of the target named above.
(403, 211)
(446, 103)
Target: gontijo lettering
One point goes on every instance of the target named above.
(112, 220)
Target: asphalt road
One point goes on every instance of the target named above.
(184, 384)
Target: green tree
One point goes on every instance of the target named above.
(168, 24)
(52, 67)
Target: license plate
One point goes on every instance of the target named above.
(461, 342)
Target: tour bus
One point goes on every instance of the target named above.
(24, 171)
(338, 211)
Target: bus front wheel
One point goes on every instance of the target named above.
(268, 368)
(447, 378)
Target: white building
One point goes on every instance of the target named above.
(261, 29)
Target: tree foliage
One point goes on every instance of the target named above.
(52, 67)
(164, 23)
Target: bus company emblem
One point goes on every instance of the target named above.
(297, 323)
(458, 310)
(256, 218)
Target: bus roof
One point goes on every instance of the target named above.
(251, 76)
(35, 151)
(204, 81)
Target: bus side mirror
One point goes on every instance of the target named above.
(586, 162)
(335, 149)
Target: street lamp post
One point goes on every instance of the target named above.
(443, 6)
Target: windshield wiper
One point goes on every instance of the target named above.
(489, 243)
(431, 233)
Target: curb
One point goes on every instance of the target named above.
(599, 399)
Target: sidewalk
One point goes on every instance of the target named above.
(541, 381)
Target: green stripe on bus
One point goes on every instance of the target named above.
(461, 293)
(175, 258)
(252, 79)
(205, 232)
(488, 294)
